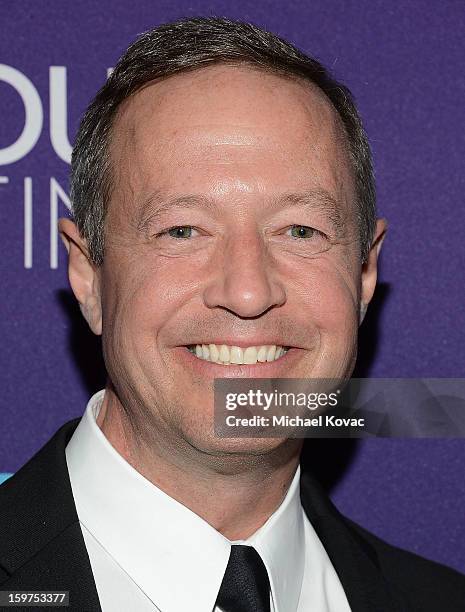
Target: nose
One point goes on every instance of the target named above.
(245, 280)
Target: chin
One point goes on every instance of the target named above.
(218, 447)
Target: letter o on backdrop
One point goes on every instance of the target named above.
(34, 115)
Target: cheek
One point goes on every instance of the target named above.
(141, 300)
(330, 296)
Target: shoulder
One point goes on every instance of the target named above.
(36, 503)
(425, 584)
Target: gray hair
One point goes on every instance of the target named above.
(187, 45)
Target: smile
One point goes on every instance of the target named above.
(236, 355)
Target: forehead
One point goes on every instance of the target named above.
(224, 118)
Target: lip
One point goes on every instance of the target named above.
(281, 368)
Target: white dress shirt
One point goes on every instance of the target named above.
(150, 553)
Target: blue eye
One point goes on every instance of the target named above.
(180, 231)
(302, 231)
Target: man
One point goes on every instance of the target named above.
(224, 226)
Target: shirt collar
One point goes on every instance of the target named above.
(280, 542)
(159, 541)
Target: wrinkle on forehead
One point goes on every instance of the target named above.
(227, 115)
(230, 97)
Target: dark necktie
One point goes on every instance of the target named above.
(245, 586)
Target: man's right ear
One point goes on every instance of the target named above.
(83, 275)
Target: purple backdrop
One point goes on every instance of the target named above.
(405, 67)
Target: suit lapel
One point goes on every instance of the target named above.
(353, 558)
(41, 543)
(62, 565)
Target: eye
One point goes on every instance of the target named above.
(180, 231)
(302, 231)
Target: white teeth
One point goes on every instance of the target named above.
(226, 355)
(214, 352)
(270, 355)
(250, 355)
(237, 354)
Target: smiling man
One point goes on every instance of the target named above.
(224, 226)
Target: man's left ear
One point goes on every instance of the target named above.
(370, 268)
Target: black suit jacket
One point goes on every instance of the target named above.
(42, 547)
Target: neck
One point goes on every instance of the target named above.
(234, 492)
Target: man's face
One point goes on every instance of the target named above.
(232, 222)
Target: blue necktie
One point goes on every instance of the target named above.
(245, 586)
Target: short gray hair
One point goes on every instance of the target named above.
(187, 45)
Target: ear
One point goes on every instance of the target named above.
(370, 267)
(84, 277)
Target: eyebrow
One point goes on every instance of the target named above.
(156, 204)
(312, 199)
(319, 200)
